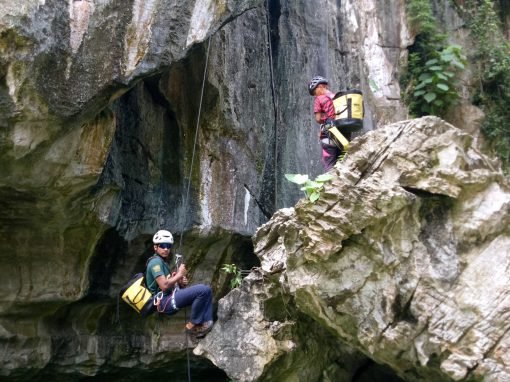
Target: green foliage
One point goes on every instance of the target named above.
(435, 89)
(424, 23)
(433, 66)
(232, 269)
(493, 69)
(311, 188)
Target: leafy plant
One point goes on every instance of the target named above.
(435, 90)
(492, 58)
(232, 269)
(430, 80)
(424, 23)
(311, 188)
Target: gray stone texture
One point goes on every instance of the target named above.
(404, 258)
(99, 104)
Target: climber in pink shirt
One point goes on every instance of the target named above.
(324, 110)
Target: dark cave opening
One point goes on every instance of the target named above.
(113, 262)
(109, 249)
(371, 371)
(155, 126)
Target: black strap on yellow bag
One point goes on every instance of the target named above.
(136, 294)
(348, 110)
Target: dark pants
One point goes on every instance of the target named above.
(199, 296)
(330, 154)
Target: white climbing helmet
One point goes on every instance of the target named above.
(316, 81)
(163, 236)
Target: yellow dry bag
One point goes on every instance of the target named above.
(338, 138)
(137, 296)
(348, 110)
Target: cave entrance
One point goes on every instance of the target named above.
(374, 372)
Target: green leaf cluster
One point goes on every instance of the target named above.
(492, 58)
(435, 89)
(232, 269)
(430, 81)
(423, 23)
(311, 188)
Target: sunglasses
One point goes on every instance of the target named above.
(165, 246)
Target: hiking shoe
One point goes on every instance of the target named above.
(199, 330)
(203, 329)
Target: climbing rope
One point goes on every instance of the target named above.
(196, 138)
(275, 105)
(186, 200)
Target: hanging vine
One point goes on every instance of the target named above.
(492, 58)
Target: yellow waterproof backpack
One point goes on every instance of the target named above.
(348, 110)
(137, 296)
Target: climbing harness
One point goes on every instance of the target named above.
(161, 307)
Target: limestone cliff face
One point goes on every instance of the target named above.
(403, 259)
(99, 104)
(93, 157)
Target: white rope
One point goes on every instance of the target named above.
(186, 201)
(195, 140)
(275, 106)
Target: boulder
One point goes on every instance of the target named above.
(403, 259)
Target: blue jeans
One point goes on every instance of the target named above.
(199, 296)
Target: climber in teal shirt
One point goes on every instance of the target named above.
(158, 268)
(171, 291)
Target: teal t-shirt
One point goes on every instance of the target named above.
(156, 267)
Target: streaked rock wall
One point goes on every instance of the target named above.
(99, 104)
